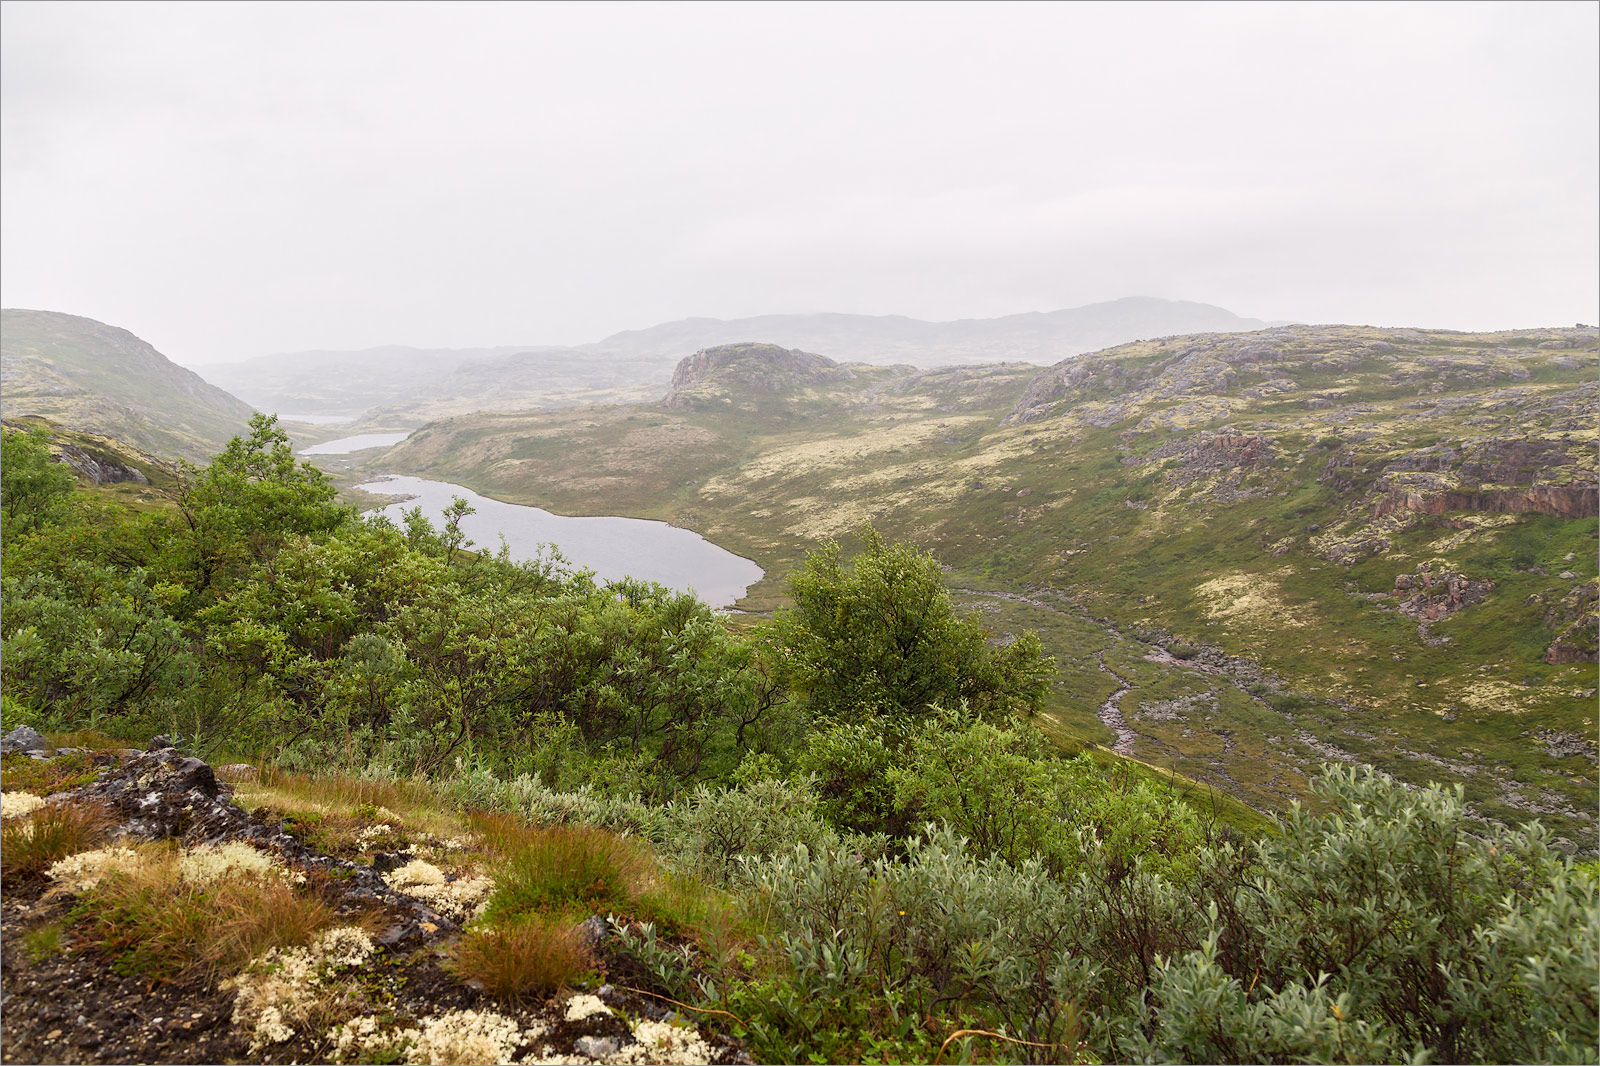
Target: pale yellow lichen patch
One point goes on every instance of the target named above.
(1251, 599)
(1188, 415)
(836, 452)
(468, 1036)
(366, 836)
(1485, 694)
(364, 1037)
(17, 804)
(416, 873)
(81, 872)
(585, 1006)
(283, 990)
(460, 900)
(661, 1042)
(208, 863)
(819, 519)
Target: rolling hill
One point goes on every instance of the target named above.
(409, 386)
(1037, 337)
(95, 378)
(1251, 553)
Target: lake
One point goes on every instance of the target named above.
(359, 442)
(611, 547)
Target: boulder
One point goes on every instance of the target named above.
(596, 1047)
(25, 739)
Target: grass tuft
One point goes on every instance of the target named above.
(570, 869)
(44, 941)
(30, 845)
(412, 799)
(522, 960)
(156, 923)
(45, 777)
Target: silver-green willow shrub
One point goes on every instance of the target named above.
(1387, 930)
(940, 929)
(711, 830)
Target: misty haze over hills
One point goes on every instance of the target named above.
(402, 380)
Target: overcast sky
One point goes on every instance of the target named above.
(230, 180)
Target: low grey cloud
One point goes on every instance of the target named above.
(234, 179)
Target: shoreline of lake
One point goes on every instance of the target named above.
(611, 546)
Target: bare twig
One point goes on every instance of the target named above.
(685, 1006)
(959, 1033)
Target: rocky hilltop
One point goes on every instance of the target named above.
(740, 373)
(88, 376)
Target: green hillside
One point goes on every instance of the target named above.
(88, 376)
(1251, 553)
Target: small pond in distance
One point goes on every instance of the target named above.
(611, 547)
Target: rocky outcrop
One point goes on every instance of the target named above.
(394, 995)
(1576, 625)
(1203, 454)
(1498, 475)
(1431, 596)
(25, 739)
(161, 794)
(100, 469)
(1564, 501)
(712, 373)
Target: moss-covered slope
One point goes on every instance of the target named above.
(88, 376)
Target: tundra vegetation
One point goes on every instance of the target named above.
(835, 836)
(1249, 553)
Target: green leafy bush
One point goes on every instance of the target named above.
(879, 636)
(1419, 925)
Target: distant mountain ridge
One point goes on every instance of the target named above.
(418, 384)
(92, 377)
(1032, 337)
